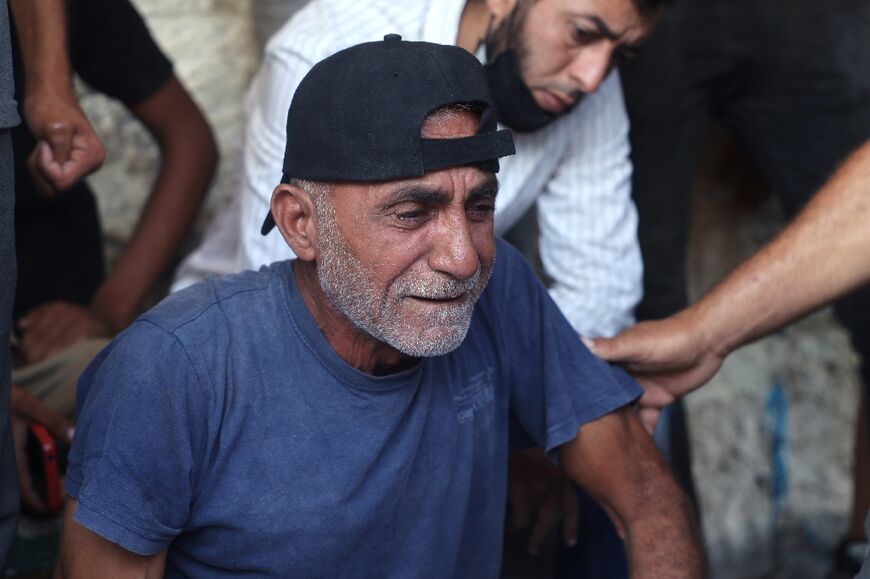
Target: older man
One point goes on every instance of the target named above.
(346, 414)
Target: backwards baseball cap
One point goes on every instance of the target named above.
(357, 115)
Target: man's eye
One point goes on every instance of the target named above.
(412, 217)
(584, 36)
(480, 211)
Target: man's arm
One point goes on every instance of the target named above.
(819, 257)
(67, 148)
(187, 164)
(85, 554)
(616, 461)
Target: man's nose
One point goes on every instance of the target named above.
(453, 251)
(590, 66)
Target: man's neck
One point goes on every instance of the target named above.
(354, 346)
(472, 25)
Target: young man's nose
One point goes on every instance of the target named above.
(590, 66)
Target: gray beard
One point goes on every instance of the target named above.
(347, 286)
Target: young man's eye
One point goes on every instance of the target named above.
(584, 36)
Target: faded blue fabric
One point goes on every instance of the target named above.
(8, 107)
(8, 478)
(223, 426)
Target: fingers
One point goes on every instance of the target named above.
(521, 509)
(41, 331)
(601, 347)
(67, 147)
(65, 158)
(57, 424)
(571, 513)
(649, 417)
(547, 516)
(29, 496)
(59, 137)
(52, 327)
(86, 156)
(41, 155)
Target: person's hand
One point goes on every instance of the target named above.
(26, 408)
(29, 497)
(67, 148)
(669, 358)
(537, 488)
(51, 327)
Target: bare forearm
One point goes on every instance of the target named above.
(41, 27)
(188, 160)
(616, 461)
(822, 255)
(665, 543)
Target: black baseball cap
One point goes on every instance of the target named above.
(357, 115)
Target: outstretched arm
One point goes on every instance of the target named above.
(616, 461)
(188, 157)
(816, 259)
(67, 148)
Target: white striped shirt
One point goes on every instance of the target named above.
(577, 168)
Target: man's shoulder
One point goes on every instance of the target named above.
(203, 303)
(510, 265)
(512, 276)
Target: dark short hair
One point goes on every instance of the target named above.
(650, 7)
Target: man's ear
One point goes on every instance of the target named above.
(293, 211)
(501, 8)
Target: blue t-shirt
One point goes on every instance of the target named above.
(222, 426)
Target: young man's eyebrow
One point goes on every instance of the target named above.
(602, 27)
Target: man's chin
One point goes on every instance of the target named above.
(431, 342)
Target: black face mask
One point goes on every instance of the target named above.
(515, 107)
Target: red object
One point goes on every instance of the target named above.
(48, 465)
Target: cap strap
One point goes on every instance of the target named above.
(440, 153)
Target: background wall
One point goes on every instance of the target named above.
(772, 434)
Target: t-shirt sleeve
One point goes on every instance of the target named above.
(141, 424)
(113, 51)
(556, 384)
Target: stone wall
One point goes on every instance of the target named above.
(773, 433)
